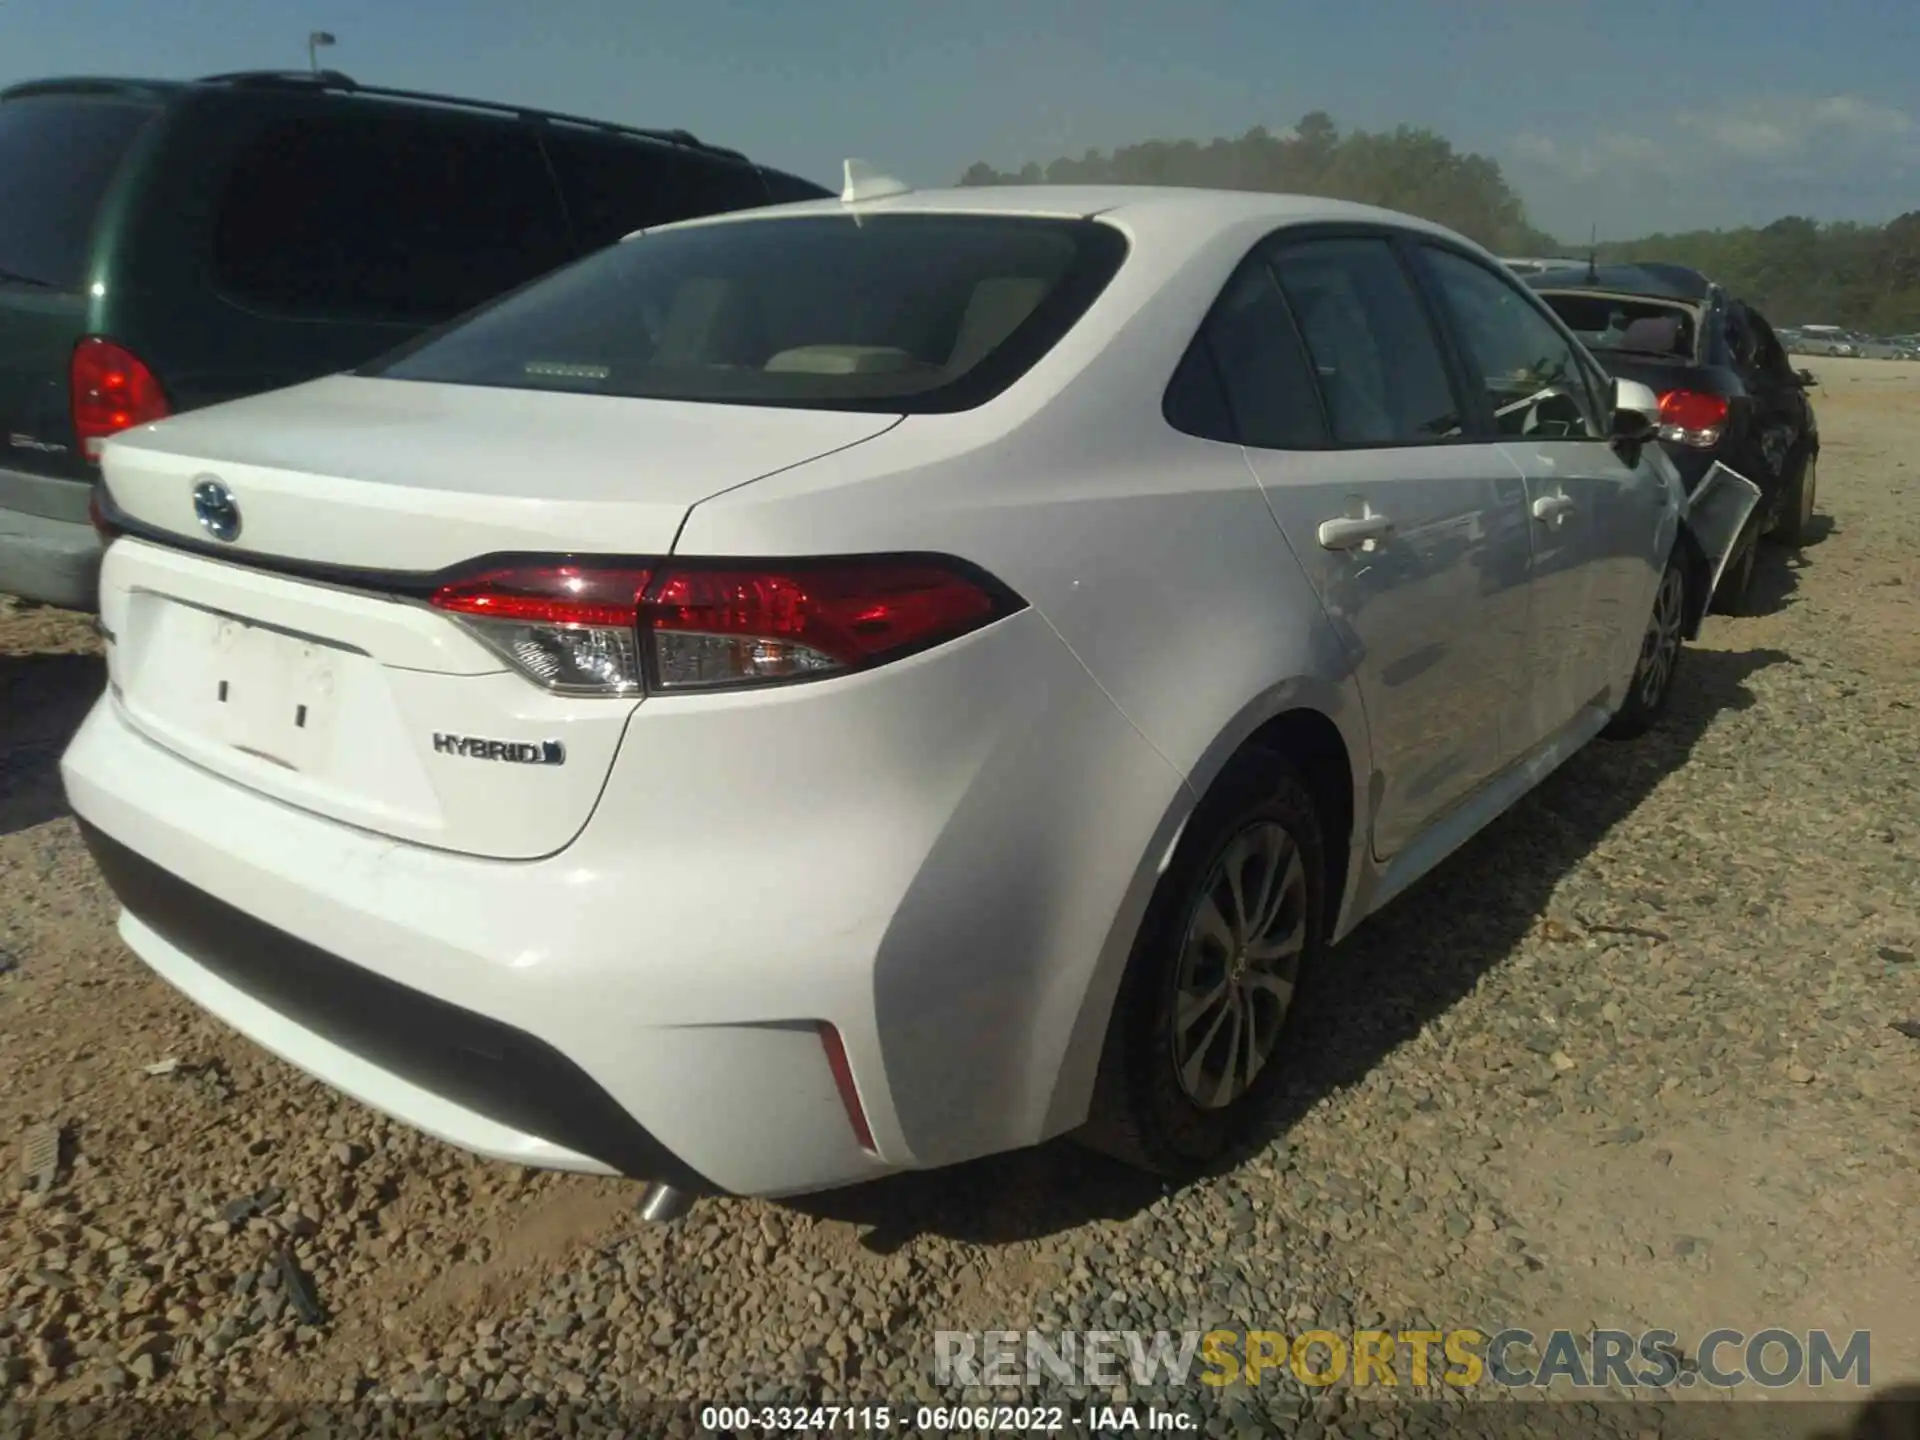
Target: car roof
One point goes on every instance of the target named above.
(334, 82)
(1203, 210)
(1648, 278)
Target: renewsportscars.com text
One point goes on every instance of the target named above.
(1462, 1358)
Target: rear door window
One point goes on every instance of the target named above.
(391, 217)
(615, 186)
(58, 155)
(1373, 350)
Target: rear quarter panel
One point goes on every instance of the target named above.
(1152, 555)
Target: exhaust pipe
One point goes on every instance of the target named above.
(663, 1204)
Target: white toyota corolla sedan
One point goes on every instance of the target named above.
(864, 684)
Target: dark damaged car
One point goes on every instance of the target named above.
(1727, 391)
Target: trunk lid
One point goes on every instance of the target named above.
(414, 476)
(361, 703)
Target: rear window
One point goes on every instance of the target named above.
(57, 158)
(1627, 324)
(884, 312)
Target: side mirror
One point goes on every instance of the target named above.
(1806, 378)
(1636, 413)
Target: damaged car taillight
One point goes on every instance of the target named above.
(1688, 417)
(586, 628)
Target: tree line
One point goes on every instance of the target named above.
(1795, 270)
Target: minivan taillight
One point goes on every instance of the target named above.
(615, 628)
(110, 389)
(1687, 417)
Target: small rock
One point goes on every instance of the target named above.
(1562, 1061)
(144, 1367)
(1799, 1074)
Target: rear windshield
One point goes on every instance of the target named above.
(1628, 324)
(57, 157)
(883, 312)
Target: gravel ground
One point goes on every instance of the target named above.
(1629, 1060)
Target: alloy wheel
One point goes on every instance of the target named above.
(1661, 646)
(1239, 963)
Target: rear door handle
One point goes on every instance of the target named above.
(1350, 532)
(1552, 507)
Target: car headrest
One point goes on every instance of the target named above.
(1659, 334)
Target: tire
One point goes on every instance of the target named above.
(1796, 506)
(1660, 649)
(1737, 582)
(1164, 1100)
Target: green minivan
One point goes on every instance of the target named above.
(165, 245)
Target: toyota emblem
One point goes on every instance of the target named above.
(217, 510)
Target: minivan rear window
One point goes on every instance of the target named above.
(920, 312)
(58, 154)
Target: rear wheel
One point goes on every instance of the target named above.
(1198, 1024)
(1660, 648)
(1796, 506)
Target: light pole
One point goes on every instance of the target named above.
(315, 42)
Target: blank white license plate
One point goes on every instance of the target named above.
(270, 694)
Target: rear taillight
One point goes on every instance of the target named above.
(1688, 417)
(614, 629)
(110, 389)
(570, 628)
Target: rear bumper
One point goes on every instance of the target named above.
(948, 873)
(406, 978)
(489, 1082)
(55, 562)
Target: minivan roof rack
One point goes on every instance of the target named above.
(87, 85)
(335, 80)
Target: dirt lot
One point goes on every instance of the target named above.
(1629, 1060)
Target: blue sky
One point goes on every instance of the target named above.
(1635, 116)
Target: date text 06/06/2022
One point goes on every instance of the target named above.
(943, 1419)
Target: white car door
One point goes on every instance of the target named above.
(1413, 535)
(1593, 506)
